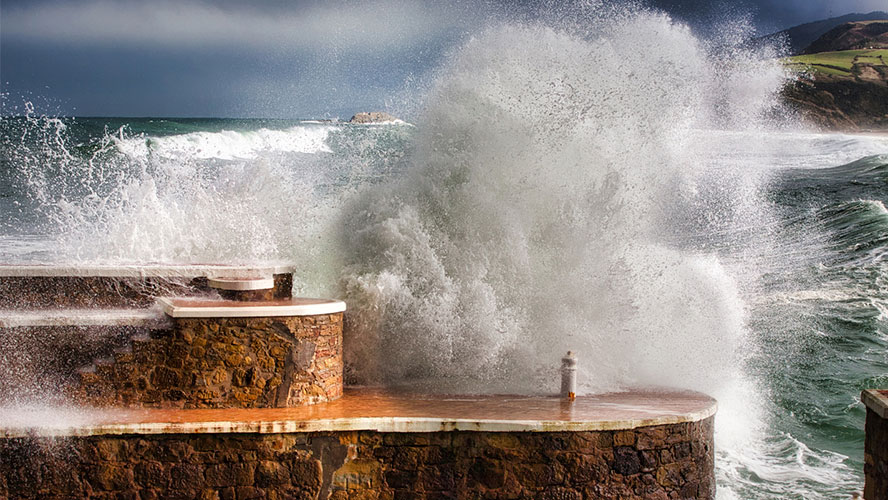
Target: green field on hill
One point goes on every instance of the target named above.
(837, 63)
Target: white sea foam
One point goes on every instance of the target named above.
(228, 144)
(531, 222)
(876, 205)
(791, 148)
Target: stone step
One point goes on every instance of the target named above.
(226, 354)
(45, 286)
(391, 411)
(317, 310)
(252, 288)
(79, 317)
(45, 350)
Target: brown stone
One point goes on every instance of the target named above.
(560, 493)
(407, 458)
(650, 438)
(489, 473)
(649, 459)
(270, 473)
(230, 474)
(626, 460)
(669, 476)
(624, 438)
(306, 473)
(152, 473)
(220, 363)
(111, 477)
(362, 464)
(165, 377)
(185, 477)
(875, 467)
(208, 495)
(149, 494)
(249, 493)
(605, 440)
(358, 474)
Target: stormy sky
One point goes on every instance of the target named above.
(274, 58)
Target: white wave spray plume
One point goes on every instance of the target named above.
(547, 169)
(565, 194)
(227, 196)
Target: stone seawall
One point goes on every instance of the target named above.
(121, 286)
(875, 466)
(657, 462)
(225, 363)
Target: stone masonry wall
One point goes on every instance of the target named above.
(225, 363)
(102, 291)
(39, 362)
(92, 291)
(875, 466)
(661, 462)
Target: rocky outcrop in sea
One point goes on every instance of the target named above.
(373, 117)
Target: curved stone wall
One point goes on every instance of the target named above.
(260, 362)
(875, 466)
(657, 462)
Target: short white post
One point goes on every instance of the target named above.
(569, 376)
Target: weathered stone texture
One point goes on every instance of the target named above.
(663, 462)
(225, 363)
(875, 466)
(104, 291)
(247, 295)
(38, 362)
(92, 291)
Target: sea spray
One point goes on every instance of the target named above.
(531, 221)
(236, 195)
(609, 184)
(566, 192)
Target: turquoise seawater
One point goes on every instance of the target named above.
(807, 264)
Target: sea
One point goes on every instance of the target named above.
(629, 191)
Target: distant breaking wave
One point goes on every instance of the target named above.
(230, 145)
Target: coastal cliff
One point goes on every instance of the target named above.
(842, 78)
(840, 103)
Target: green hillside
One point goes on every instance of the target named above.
(839, 63)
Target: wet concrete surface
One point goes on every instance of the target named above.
(379, 410)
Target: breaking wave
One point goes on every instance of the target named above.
(617, 187)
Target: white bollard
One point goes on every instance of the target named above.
(569, 376)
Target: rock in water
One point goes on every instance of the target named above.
(373, 117)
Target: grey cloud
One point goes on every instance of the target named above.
(363, 25)
(280, 58)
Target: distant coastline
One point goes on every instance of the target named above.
(842, 78)
(838, 105)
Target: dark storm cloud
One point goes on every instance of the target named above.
(275, 57)
(787, 13)
(221, 58)
(362, 25)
